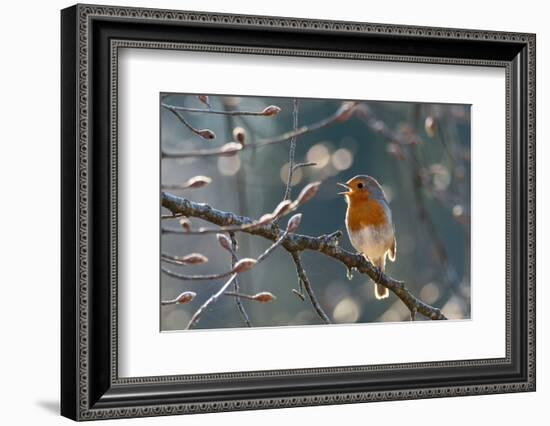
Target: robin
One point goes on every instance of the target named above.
(369, 223)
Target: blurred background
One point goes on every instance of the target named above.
(420, 153)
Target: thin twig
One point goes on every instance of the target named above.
(170, 260)
(292, 167)
(171, 216)
(291, 151)
(306, 164)
(203, 133)
(238, 295)
(195, 277)
(205, 100)
(197, 315)
(272, 247)
(189, 259)
(300, 291)
(307, 285)
(339, 116)
(234, 259)
(260, 297)
(214, 111)
(173, 186)
(239, 135)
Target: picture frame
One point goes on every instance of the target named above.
(90, 384)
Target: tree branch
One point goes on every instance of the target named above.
(342, 114)
(325, 244)
(266, 112)
(282, 209)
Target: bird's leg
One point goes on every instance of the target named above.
(349, 273)
(378, 269)
(379, 274)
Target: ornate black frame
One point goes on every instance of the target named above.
(91, 36)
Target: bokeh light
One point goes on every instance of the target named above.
(388, 191)
(429, 293)
(342, 159)
(229, 166)
(440, 176)
(319, 154)
(297, 176)
(346, 311)
(454, 308)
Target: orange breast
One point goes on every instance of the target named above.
(364, 212)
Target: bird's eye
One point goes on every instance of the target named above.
(360, 185)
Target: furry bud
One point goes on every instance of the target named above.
(194, 259)
(268, 217)
(204, 99)
(206, 134)
(224, 241)
(308, 192)
(185, 223)
(197, 182)
(282, 208)
(239, 135)
(271, 110)
(264, 297)
(185, 297)
(430, 126)
(294, 222)
(244, 265)
(345, 111)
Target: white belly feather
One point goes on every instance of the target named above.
(373, 241)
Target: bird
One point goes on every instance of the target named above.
(369, 223)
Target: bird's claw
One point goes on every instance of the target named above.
(379, 277)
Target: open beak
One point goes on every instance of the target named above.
(345, 185)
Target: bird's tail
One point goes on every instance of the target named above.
(380, 292)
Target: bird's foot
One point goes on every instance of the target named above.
(379, 276)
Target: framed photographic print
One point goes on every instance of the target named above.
(263, 212)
